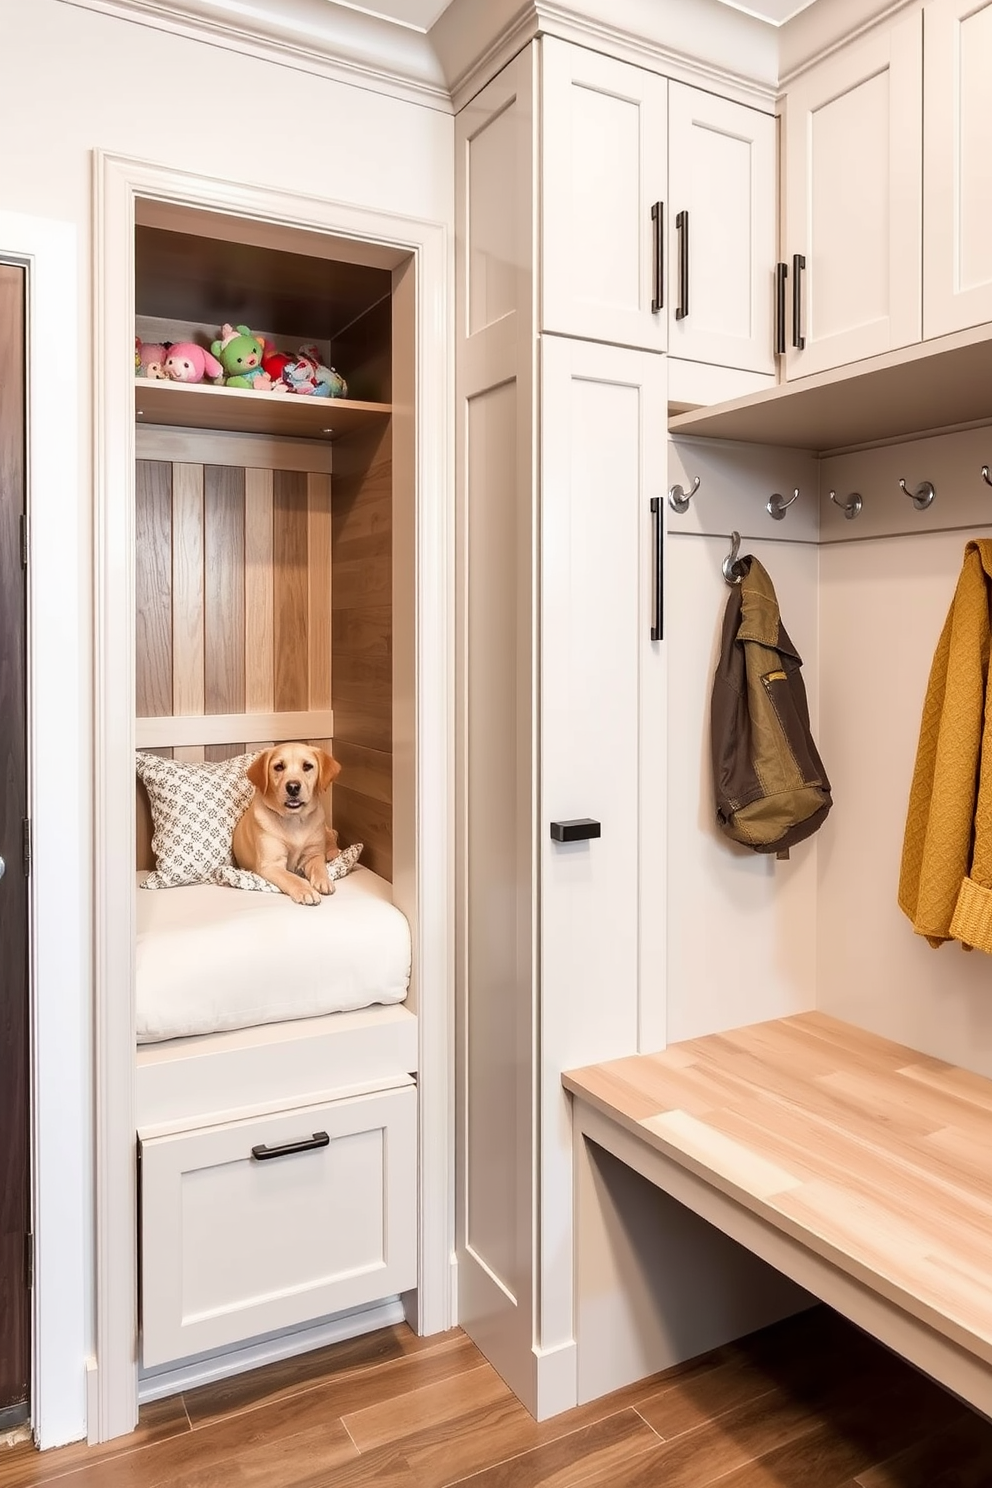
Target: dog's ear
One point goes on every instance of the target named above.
(329, 768)
(258, 771)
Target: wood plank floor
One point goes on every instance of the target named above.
(875, 1156)
(807, 1403)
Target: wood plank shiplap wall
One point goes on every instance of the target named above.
(256, 594)
(362, 645)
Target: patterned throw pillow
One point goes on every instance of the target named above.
(195, 808)
(243, 878)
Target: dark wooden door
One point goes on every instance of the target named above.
(15, 1310)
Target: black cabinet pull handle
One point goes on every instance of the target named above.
(781, 274)
(682, 227)
(798, 264)
(658, 219)
(579, 829)
(308, 1144)
(659, 569)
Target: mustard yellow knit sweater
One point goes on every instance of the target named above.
(945, 882)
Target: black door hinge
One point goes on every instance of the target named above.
(26, 844)
(29, 1260)
(24, 539)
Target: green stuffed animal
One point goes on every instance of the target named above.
(240, 355)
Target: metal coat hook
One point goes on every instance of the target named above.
(922, 496)
(679, 500)
(986, 477)
(851, 506)
(777, 506)
(730, 565)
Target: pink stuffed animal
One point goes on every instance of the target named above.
(151, 358)
(187, 362)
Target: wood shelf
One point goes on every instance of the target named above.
(932, 385)
(241, 411)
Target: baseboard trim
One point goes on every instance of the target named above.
(189, 1373)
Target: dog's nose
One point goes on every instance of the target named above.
(292, 787)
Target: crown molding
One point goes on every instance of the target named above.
(698, 41)
(814, 34)
(332, 41)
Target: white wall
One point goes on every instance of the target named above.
(75, 81)
(883, 601)
(741, 925)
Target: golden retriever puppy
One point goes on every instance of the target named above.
(284, 832)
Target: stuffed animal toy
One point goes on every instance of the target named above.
(275, 362)
(151, 358)
(330, 384)
(187, 362)
(240, 356)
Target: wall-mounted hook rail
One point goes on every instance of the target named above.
(777, 505)
(851, 506)
(986, 477)
(731, 567)
(922, 496)
(678, 499)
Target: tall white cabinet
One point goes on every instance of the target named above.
(562, 722)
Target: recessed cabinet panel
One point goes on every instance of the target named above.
(957, 244)
(853, 193)
(722, 176)
(604, 154)
(491, 226)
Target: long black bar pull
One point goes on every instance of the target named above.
(307, 1144)
(781, 274)
(658, 218)
(682, 228)
(658, 622)
(798, 264)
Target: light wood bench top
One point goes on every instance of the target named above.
(875, 1157)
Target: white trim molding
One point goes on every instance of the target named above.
(120, 182)
(58, 749)
(332, 41)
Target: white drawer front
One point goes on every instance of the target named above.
(234, 1245)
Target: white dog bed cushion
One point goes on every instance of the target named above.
(209, 960)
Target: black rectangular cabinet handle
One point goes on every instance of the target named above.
(781, 274)
(657, 624)
(682, 227)
(798, 264)
(307, 1144)
(579, 829)
(657, 217)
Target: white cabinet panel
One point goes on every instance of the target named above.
(722, 230)
(602, 745)
(957, 218)
(604, 165)
(234, 1245)
(853, 195)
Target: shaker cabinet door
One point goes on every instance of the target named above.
(603, 198)
(853, 199)
(957, 176)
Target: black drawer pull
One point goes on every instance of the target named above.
(579, 829)
(682, 228)
(658, 621)
(308, 1144)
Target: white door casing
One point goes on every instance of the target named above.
(119, 182)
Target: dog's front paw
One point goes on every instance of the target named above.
(304, 894)
(320, 881)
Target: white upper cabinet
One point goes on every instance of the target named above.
(957, 149)
(722, 231)
(604, 154)
(852, 231)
